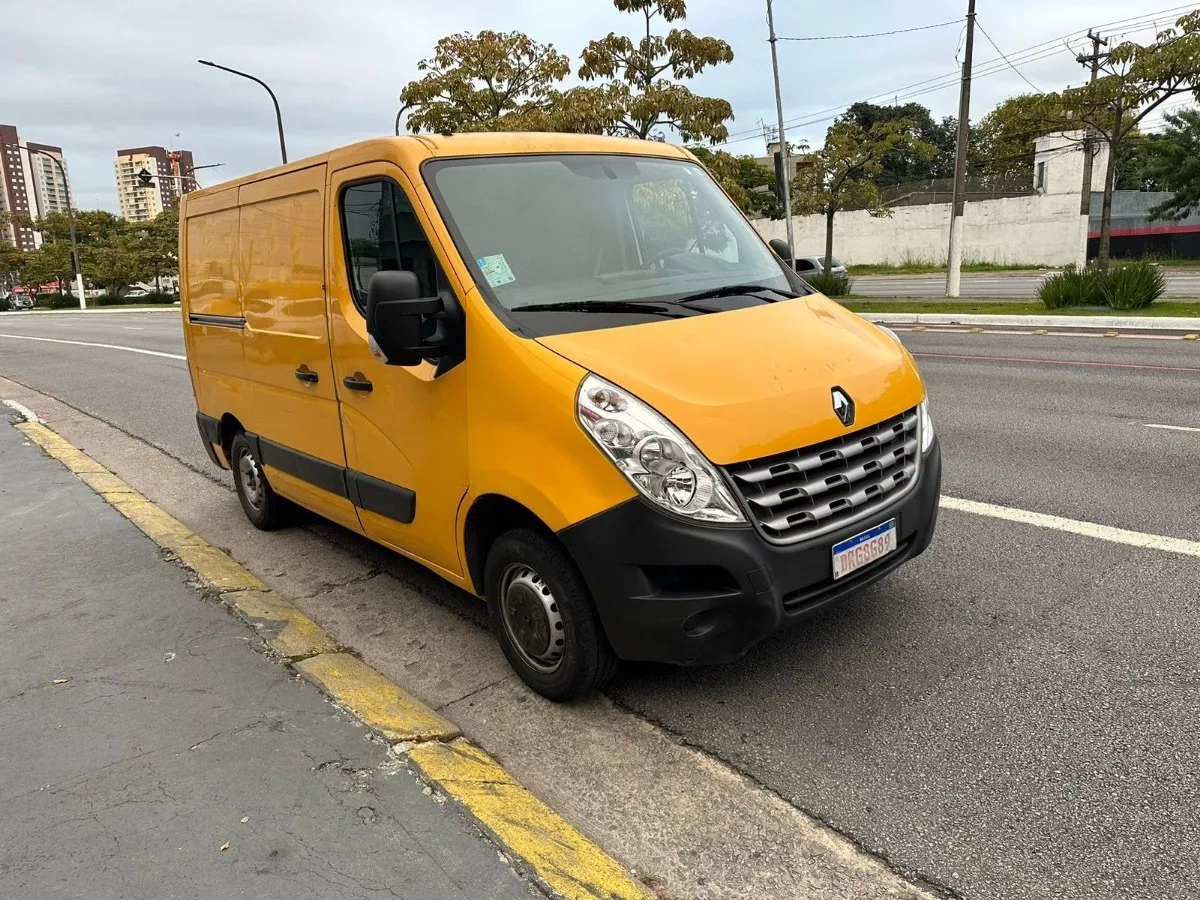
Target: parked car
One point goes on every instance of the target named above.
(17, 301)
(815, 265)
(136, 293)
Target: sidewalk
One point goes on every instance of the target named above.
(172, 759)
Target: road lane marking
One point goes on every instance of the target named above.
(1173, 427)
(1075, 526)
(1087, 363)
(560, 857)
(29, 337)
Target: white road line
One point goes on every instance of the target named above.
(1075, 526)
(133, 327)
(27, 337)
(1173, 427)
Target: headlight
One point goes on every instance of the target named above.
(926, 426)
(657, 459)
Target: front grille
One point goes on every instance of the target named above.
(808, 492)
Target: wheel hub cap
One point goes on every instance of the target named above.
(532, 618)
(252, 481)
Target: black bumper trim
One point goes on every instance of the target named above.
(210, 433)
(673, 591)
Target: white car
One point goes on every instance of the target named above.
(137, 292)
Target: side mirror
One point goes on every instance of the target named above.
(400, 319)
(782, 249)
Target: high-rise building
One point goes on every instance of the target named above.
(31, 184)
(171, 171)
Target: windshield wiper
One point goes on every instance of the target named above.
(604, 306)
(736, 290)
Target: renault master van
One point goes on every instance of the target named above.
(564, 373)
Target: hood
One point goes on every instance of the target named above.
(754, 382)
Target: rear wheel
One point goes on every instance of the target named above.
(263, 507)
(544, 618)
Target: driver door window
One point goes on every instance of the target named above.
(382, 234)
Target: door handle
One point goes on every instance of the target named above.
(305, 374)
(358, 382)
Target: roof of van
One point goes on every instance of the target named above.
(419, 147)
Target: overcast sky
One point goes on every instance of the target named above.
(96, 75)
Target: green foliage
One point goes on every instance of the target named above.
(114, 266)
(1176, 162)
(641, 78)
(48, 263)
(1137, 164)
(905, 164)
(486, 81)
(1125, 286)
(56, 301)
(1007, 135)
(1071, 287)
(830, 285)
(1133, 285)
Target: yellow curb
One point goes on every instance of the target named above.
(569, 864)
(377, 702)
(559, 855)
(286, 630)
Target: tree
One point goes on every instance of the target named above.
(1137, 80)
(49, 262)
(1007, 136)
(486, 81)
(10, 262)
(749, 183)
(158, 245)
(641, 91)
(115, 265)
(905, 164)
(1176, 161)
(92, 227)
(840, 173)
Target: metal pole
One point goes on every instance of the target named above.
(1085, 196)
(278, 116)
(398, 115)
(783, 147)
(70, 225)
(959, 196)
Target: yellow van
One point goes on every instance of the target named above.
(564, 373)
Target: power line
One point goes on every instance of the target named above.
(857, 37)
(983, 31)
(1033, 53)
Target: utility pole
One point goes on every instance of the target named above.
(1085, 198)
(959, 197)
(783, 147)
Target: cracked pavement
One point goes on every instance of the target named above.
(173, 760)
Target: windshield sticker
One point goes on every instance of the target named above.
(495, 269)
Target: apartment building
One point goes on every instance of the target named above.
(171, 171)
(31, 184)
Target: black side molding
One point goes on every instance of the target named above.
(374, 495)
(324, 475)
(210, 432)
(218, 321)
(364, 491)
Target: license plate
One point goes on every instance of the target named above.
(863, 549)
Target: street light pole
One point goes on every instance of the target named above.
(278, 115)
(398, 115)
(786, 187)
(959, 195)
(70, 224)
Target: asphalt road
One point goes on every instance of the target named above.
(1010, 716)
(1012, 286)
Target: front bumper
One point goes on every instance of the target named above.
(673, 591)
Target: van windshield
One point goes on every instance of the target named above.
(590, 230)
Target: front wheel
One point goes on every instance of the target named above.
(544, 618)
(263, 507)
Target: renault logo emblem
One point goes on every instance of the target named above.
(843, 406)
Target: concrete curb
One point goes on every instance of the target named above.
(169, 307)
(558, 856)
(1128, 323)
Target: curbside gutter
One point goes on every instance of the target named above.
(558, 856)
(1128, 323)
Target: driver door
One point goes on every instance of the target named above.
(404, 427)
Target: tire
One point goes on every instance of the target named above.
(534, 590)
(264, 508)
